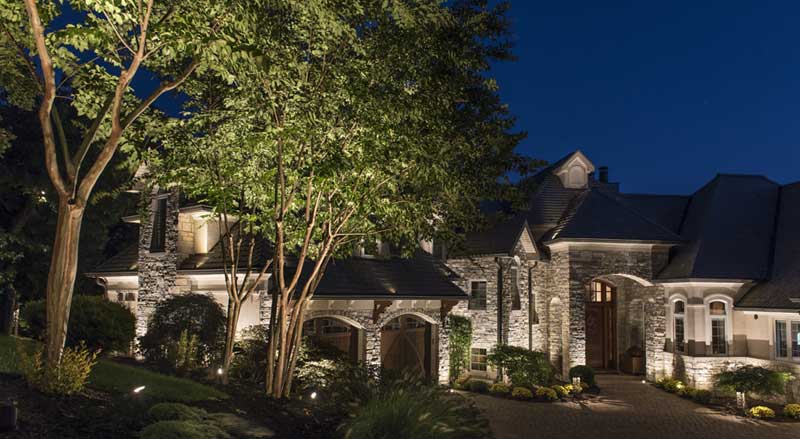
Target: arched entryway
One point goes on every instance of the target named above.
(407, 345)
(601, 325)
(335, 333)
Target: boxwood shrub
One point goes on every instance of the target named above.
(585, 373)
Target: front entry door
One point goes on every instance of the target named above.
(601, 326)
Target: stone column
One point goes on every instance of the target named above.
(444, 352)
(157, 270)
(372, 345)
(655, 333)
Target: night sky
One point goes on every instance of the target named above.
(667, 94)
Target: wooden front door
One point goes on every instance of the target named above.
(601, 326)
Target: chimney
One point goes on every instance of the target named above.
(604, 174)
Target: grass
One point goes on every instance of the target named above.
(112, 377)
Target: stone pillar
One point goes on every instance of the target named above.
(655, 333)
(444, 352)
(372, 345)
(157, 270)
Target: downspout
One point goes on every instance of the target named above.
(531, 306)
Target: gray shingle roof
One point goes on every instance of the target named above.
(728, 226)
(782, 291)
(596, 215)
(496, 240)
(126, 261)
(666, 210)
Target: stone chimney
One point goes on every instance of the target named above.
(603, 174)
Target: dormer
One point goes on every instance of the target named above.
(198, 230)
(574, 172)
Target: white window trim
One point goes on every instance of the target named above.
(672, 301)
(773, 339)
(728, 301)
(469, 293)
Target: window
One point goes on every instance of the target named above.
(477, 295)
(717, 313)
(602, 292)
(412, 323)
(158, 237)
(393, 325)
(679, 313)
(780, 339)
(478, 359)
(795, 339)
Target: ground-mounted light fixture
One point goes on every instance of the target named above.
(139, 389)
(220, 371)
(313, 395)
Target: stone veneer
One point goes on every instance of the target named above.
(157, 271)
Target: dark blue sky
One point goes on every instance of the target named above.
(667, 94)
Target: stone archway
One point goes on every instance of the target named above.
(337, 333)
(408, 344)
(555, 342)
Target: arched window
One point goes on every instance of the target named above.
(717, 313)
(602, 292)
(679, 325)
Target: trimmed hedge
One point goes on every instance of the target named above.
(525, 368)
(499, 389)
(478, 386)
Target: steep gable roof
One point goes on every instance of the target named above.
(595, 215)
(500, 239)
(782, 291)
(728, 226)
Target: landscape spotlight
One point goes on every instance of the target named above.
(219, 371)
(138, 389)
(313, 395)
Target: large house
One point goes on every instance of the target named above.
(654, 284)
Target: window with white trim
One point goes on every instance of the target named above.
(478, 359)
(787, 339)
(717, 312)
(679, 325)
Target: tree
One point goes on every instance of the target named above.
(91, 62)
(343, 122)
(752, 379)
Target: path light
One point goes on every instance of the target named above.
(644, 381)
(138, 389)
(219, 371)
(313, 395)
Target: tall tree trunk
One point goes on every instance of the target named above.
(234, 309)
(61, 278)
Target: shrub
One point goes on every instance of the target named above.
(792, 411)
(573, 390)
(413, 411)
(98, 322)
(460, 342)
(499, 389)
(701, 396)
(461, 382)
(250, 357)
(67, 378)
(522, 393)
(756, 379)
(560, 391)
(173, 411)
(198, 316)
(584, 387)
(671, 385)
(183, 430)
(761, 412)
(546, 394)
(525, 368)
(478, 386)
(585, 373)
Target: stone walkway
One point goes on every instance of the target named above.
(626, 409)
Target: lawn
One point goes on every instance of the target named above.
(112, 377)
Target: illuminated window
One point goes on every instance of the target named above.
(795, 339)
(780, 339)
(679, 313)
(602, 292)
(478, 359)
(477, 295)
(718, 315)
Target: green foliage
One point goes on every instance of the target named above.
(499, 389)
(700, 396)
(546, 394)
(250, 357)
(525, 368)
(67, 378)
(460, 342)
(753, 379)
(560, 391)
(409, 410)
(792, 411)
(522, 393)
(94, 320)
(673, 385)
(183, 430)
(187, 316)
(461, 382)
(585, 373)
(761, 412)
(173, 411)
(113, 377)
(478, 386)
(573, 390)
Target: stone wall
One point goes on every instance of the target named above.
(157, 271)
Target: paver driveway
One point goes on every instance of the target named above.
(626, 409)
